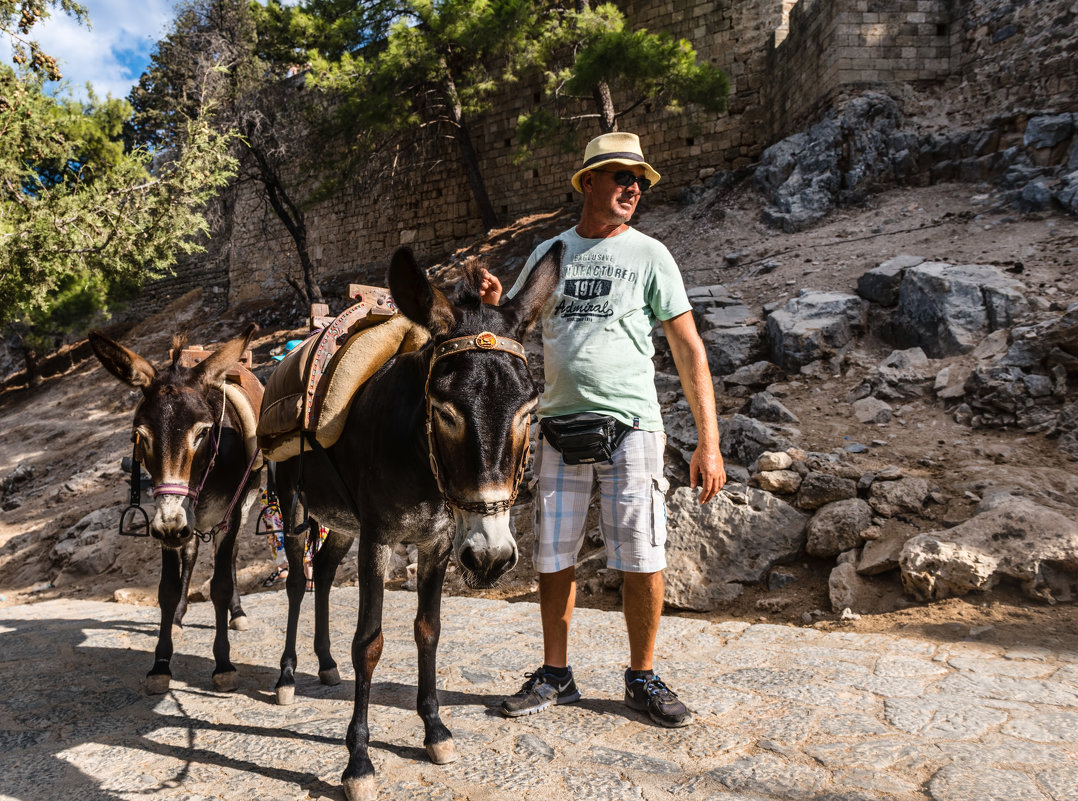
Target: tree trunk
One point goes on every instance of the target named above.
(467, 154)
(33, 371)
(291, 216)
(605, 105)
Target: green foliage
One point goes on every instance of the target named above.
(327, 28)
(590, 53)
(647, 65)
(438, 68)
(18, 17)
(441, 58)
(81, 219)
(205, 64)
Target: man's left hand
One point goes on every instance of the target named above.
(707, 472)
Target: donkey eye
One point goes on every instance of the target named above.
(145, 439)
(523, 416)
(446, 416)
(198, 435)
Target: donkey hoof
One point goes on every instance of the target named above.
(239, 623)
(225, 682)
(286, 695)
(157, 683)
(330, 677)
(442, 753)
(361, 789)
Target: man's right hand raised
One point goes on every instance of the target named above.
(490, 288)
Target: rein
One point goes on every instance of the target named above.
(488, 342)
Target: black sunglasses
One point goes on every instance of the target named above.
(626, 178)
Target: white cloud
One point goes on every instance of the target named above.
(113, 52)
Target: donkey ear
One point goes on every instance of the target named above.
(210, 370)
(415, 297)
(524, 308)
(125, 364)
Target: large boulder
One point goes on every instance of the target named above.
(814, 325)
(906, 496)
(836, 161)
(946, 309)
(837, 527)
(733, 347)
(1068, 192)
(880, 284)
(743, 439)
(1048, 132)
(1013, 537)
(736, 538)
(765, 406)
(819, 488)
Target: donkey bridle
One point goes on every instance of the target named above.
(185, 490)
(485, 341)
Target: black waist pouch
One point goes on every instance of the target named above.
(585, 437)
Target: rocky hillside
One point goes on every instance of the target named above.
(896, 385)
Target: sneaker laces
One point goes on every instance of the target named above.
(533, 679)
(656, 687)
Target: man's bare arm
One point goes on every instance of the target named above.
(706, 469)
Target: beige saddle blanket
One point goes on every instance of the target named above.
(313, 386)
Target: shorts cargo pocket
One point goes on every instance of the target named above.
(659, 488)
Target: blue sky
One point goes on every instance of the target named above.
(114, 52)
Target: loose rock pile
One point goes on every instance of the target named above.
(1017, 357)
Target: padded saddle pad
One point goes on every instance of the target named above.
(312, 387)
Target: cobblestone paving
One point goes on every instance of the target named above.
(781, 712)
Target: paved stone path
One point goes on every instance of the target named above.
(781, 713)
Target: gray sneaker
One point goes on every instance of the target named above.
(540, 691)
(650, 695)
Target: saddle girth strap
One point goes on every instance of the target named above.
(334, 473)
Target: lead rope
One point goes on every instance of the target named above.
(223, 525)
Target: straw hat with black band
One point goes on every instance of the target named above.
(614, 148)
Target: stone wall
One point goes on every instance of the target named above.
(1017, 57)
(427, 203)
(834, 48)
(959, 60)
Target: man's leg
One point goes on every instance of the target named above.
(561, 497)
(642, 601)
(634, 525)
(557, 596)
(553, 682)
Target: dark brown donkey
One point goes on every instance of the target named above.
(192, 444)
(432, 453)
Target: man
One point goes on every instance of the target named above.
(597, 346)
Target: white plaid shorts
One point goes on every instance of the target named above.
(632, 493)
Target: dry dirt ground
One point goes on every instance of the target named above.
(73, 430)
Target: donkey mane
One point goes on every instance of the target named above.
(179, 342)
(467, 296)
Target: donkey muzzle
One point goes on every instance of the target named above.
(484, 546)
(173, 520)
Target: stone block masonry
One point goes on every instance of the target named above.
(968, 60)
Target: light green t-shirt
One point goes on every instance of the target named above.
(597, 325)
